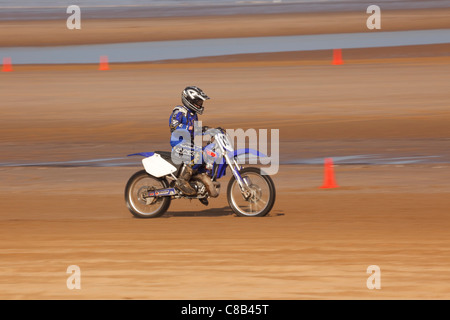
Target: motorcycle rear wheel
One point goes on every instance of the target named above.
(137, 187)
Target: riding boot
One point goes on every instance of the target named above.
(183, 181)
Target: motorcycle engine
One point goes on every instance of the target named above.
(199, 187)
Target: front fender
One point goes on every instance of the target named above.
(143, 154)
(239, 152)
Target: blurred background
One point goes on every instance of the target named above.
(75, 102)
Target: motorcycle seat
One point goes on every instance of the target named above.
(167, 155)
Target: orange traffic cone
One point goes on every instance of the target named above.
(7, 65)
(329, 180)
(337, 57)
(104, 65)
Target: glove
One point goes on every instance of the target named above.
(204, 129)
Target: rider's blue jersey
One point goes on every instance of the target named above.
(182, 119)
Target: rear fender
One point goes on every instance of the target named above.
(155, 165)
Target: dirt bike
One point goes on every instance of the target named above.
(250, 191)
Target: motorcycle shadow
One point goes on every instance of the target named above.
(212, 212)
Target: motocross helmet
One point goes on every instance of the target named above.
(192, 98)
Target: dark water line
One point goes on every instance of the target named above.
(374, 159)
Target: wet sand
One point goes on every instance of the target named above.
(126, 108)
(315, 244)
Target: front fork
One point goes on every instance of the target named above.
(243, 184)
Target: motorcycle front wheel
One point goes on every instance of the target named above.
(261, 198)
(136, 196)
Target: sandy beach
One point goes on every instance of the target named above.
(315, 244)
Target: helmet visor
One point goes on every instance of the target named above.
(198, 102)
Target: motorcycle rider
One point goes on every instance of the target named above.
(184, 120)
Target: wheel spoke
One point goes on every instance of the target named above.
(257, 205)
(264, 202)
